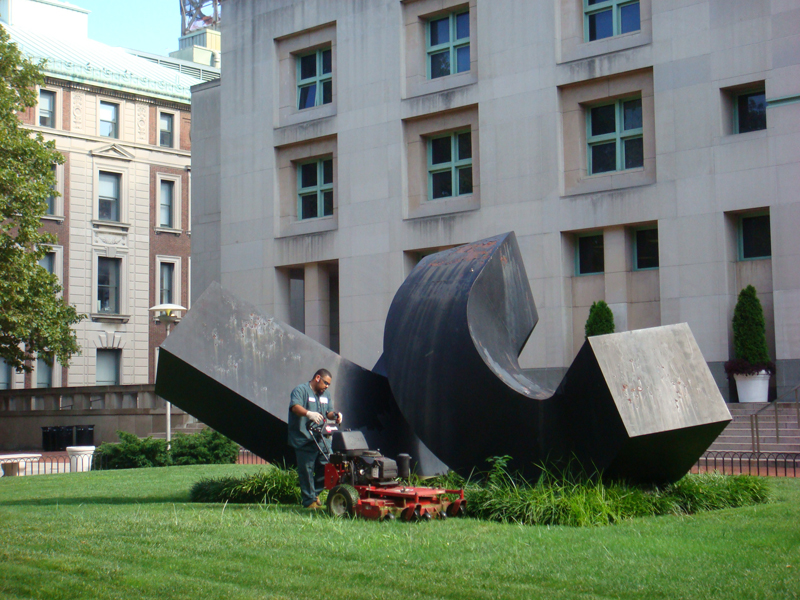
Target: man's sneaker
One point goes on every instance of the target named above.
(315, 506)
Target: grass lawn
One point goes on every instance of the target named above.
(132, 534)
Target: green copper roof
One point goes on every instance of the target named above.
(87, 61)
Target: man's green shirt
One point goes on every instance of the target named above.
(299, 436)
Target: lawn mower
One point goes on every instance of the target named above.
(361, 482)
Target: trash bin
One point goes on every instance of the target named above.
(84, 435)
(49, 439)
(65, 436)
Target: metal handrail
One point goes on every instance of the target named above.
(775, 464)
(755, 435)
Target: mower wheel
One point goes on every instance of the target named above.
(388, 517)
(342, 501)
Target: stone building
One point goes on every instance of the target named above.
(645, 152)
(122, 216)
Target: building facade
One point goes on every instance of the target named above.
(122, 214)
(646, 153)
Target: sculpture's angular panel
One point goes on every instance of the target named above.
(234, 369)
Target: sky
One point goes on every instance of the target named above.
(148, 25)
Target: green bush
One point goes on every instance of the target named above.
(205, 448)
(273, 485)
(131, 453)
(749, 336)
(208, 447)
(577, 499)
(600, 321)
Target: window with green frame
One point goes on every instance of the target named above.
(447, 41)
(614, 136)
(315, 78)
(315, 189)
(755, 240)
(450, 165)
(607, 18)
(750, 111)
(589, 254)
(645, 248)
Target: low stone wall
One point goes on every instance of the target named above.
(135, 409)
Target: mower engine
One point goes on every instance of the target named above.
(365, 483)
(357, 463)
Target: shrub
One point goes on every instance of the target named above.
(132, 453)
(208, 447)
(749, 336)
(273, 485)
(565, 497)
(205, 448)
(600, 321)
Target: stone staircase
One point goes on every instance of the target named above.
(774, 435)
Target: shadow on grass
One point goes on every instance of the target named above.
(96, 500)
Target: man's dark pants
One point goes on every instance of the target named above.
(311, 472)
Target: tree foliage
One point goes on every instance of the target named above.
(34, 318)
(600, 321)
(749, 336)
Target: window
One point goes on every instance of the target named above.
(166, 203)
(44, 373)
(166, 127)
(5, 375)
(645, 249)
(315, 71)
(108, 197)
(754, 237)
(315, 189)
(450, 165)
(47, 108)
(109, 119)
(48, 262)
(590, 254)
(107, 367)
(614, 135)
(167, 274)
(607, 18)
(108, 295)
(448, 45)
(51, 199)
(750, 111)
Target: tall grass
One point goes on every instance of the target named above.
(272, 485)
(567, 497)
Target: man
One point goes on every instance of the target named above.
(309, 402)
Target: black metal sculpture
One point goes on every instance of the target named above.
(639, 405)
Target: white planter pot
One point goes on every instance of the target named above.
(80, 458)
(752, 388)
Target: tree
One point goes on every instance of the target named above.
(600, 321)
(34, 319)
(751, 355)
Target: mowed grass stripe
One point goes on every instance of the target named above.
(131, 534)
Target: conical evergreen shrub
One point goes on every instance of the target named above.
(749, 336)
(600, 321)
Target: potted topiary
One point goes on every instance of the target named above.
(750, 367)
(600, 321)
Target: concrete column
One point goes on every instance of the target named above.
(317, 303)
(616, 261)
